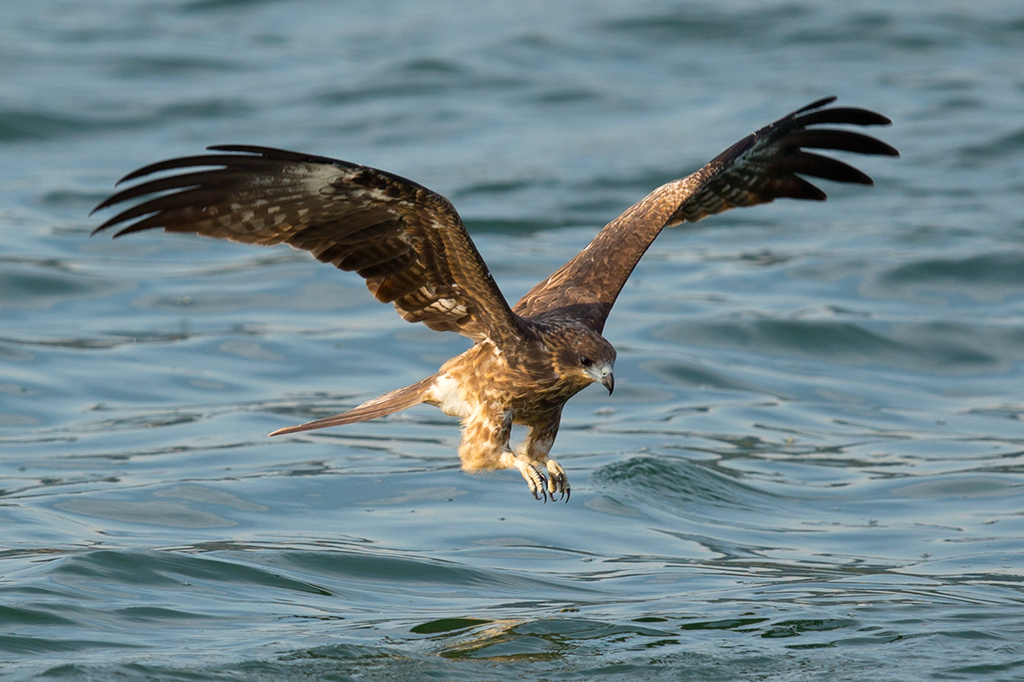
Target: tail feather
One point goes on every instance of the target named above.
(386, 404)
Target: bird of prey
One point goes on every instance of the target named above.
(413, 250)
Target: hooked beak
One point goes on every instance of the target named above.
(603, 373)
(609, 382)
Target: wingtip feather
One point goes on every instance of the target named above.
(816, 104)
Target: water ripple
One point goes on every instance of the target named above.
(812, 464)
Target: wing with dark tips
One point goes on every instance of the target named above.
(406, 241)
(766, 165)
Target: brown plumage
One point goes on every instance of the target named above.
(411, 247)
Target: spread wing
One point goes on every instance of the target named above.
(758, 169)
(406, 241)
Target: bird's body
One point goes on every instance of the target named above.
(411, 247)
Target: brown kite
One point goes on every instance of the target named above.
(411, 247)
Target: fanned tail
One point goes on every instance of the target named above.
(386, 404)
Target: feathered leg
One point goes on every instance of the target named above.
(536, 448)
(485, 446)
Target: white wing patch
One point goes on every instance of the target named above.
(447, 305)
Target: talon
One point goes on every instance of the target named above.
(534, 479)
(558, 482)
(537, 482)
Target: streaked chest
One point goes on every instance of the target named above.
(482, 378)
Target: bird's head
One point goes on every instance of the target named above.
(582, 357)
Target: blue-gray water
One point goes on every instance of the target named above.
(813, 462)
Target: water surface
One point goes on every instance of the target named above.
(812, 464)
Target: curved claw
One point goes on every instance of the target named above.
(538, 483)
(558, 483)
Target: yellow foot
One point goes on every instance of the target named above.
(558, 484)
(534, 478)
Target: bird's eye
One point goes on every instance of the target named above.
(585, 361)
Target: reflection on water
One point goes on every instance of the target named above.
(812, 464)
